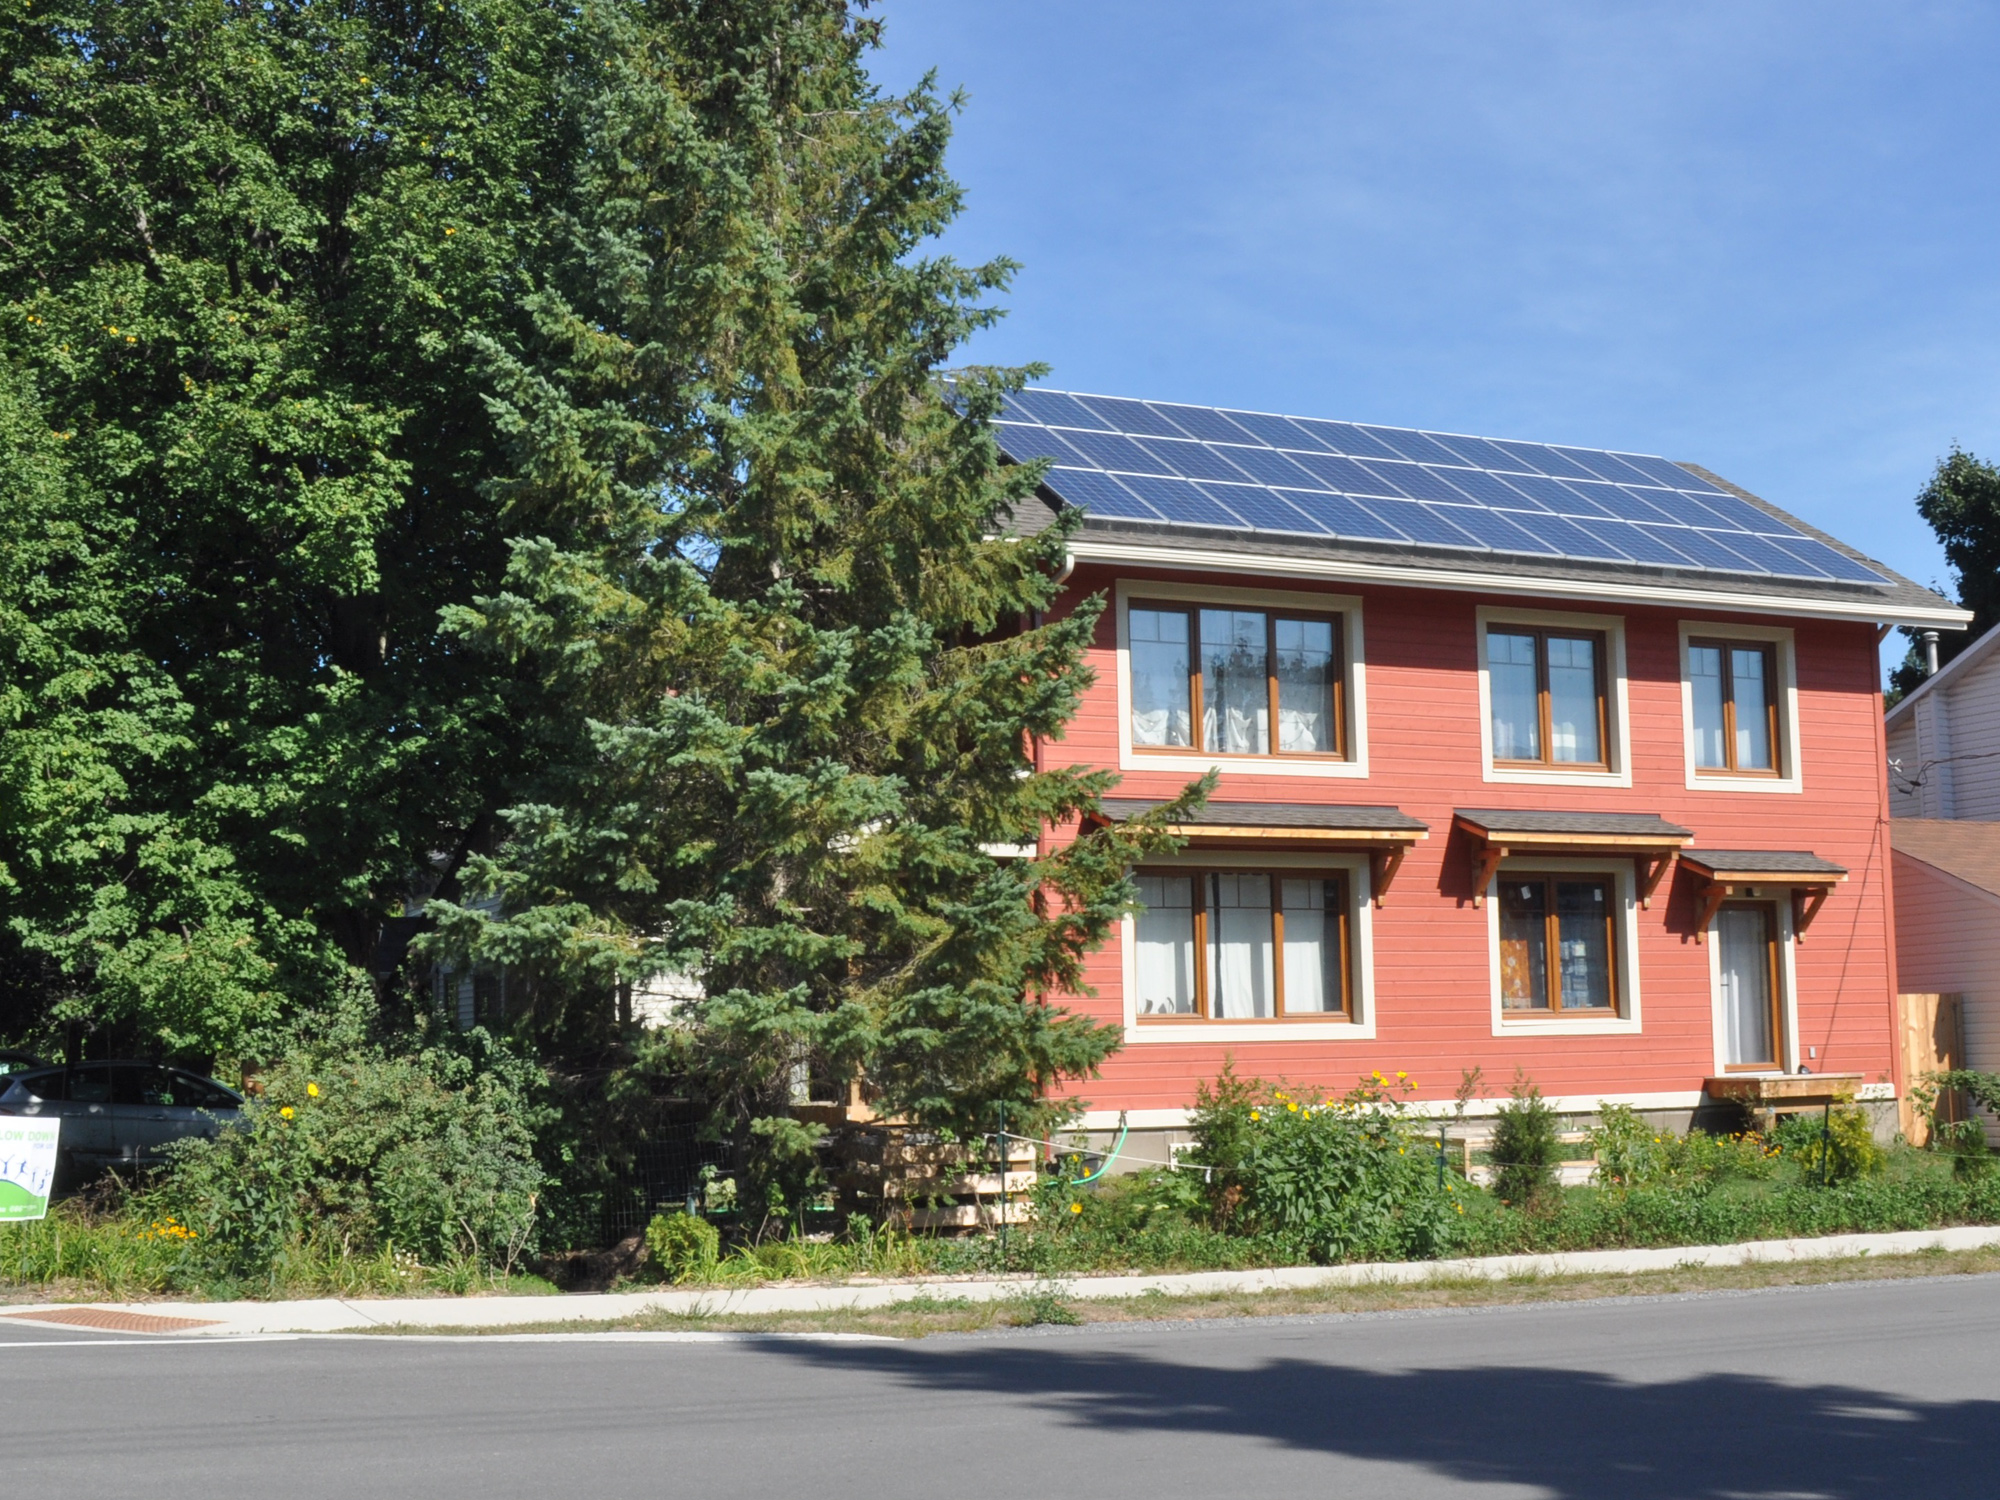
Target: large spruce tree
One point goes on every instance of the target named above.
(800, 623)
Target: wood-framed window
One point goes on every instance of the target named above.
(1546, 689)
(1558, 942)
(1746, 955)
(1237, 681)
(1734, 687)
(1243, 945)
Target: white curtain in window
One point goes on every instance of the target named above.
(1311, 948)
(1240, 956)
(1166, 946)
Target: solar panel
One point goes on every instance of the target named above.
(1115, 451)
(1199, 421)
(1100, 494)
(1425, 484)
(1342, 474)
(1344, 516)
(1178, 500)
(1304, 476)
(1053, 407)
(1345, 437)
(1025, 444)
(1415, 446)
(1279, 432)
(1194, 460)
(1423, 523)
(1264, 509)
(1132, 416)
(1268, 467)
(1497, 529)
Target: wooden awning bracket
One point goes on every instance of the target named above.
(1382, 867)
(1713, 895)
(1806, 902)
(1488, 862)
(1650, 878)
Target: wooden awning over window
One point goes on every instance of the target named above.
(1386, 833)
(1738, 872)
(1648, 840)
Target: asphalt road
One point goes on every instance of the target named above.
(1866, 1389)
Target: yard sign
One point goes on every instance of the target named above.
(27, 1165)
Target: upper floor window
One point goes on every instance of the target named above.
(1735, 705)
(1547, 691)
(1236, 681)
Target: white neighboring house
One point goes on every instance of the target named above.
(1944, 740)
(1944, 805)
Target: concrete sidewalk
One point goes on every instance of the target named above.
(336, 1315)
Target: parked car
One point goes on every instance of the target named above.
(119, 1114)
(17, 1062)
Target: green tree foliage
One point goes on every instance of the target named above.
(507, 439)
(254, 260)
(1525, 1150)
(798, 627)
(1962, 504)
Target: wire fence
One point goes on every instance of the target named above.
(663, 1173)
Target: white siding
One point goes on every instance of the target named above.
(1949, 739)
(1948, 943)
(1905, 801)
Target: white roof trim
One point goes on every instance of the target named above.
(1467, 581)
(1978, 651)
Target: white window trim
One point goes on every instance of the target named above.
(1360, 893)
(1523, 1023)
(1347, 606)
(1788, 720)
(1788, 1008)
(1620, 748)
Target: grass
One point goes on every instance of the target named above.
(1146, 1222)
(1046, 1304)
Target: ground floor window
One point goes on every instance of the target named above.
(1243, 945)
(1558, 943)
(1746, 951)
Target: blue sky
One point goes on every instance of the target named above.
(1763, 237)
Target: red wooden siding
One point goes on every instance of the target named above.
(1432, 993)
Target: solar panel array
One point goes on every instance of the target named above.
(1246, 471)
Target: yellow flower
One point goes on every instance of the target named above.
(286, 1112)
(1293, 1108)
(1402, 1075)
(312, 1091)
(1255, 1115)
(1076, 1208)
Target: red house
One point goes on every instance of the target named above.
(1530, 756)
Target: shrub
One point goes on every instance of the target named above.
(428, 1156)
(1525, 1150)
(1630, 1153)
(1839, 1146)
(684, 1246)
(1342, 1180)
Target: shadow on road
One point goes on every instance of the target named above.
(1579, 1434)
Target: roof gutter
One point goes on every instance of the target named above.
(1459, 580)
